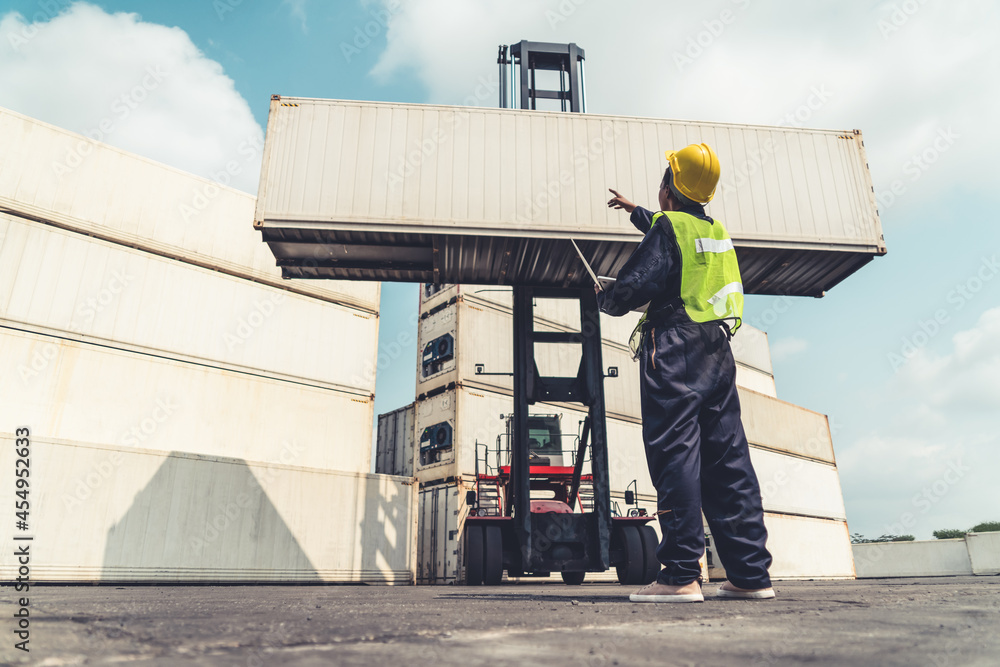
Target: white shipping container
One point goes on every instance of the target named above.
(394, 442)
(60, 281)
(440, 544)
(502, 192)
(80, 184)
(482, 334)
(783, 427)
(790, 484)
(793, 485)
(754, 380)
(89, 393)
(114, 514)
(557, 314)
(474, 332)
(806, 548)
(750, 346)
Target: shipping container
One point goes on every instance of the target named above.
(83, 288)
(793, 485)
(750, 345)
(471, 420)
(70, 181)
(559, 314)
(808, 548)
(462, 338)
(89, 393)
(786, 428)
(394, 442)
(456, 428)
(454, 341)
(442, 194)
(440, 544)
(121, 514)
(477, 328)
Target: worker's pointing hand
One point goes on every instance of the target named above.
(620, 202)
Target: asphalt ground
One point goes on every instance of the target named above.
(933, 621)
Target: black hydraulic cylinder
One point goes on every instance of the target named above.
(592, 372)
(524, 366)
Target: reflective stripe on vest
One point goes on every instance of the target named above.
(711, 287)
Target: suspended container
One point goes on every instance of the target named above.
(419, 193)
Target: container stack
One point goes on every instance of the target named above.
(193, 416)
(459, 414)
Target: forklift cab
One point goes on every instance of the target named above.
(544, 440)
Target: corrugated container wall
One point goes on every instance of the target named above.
(454, 339)
(120, 514)
(171, 373)
(442, 194)
(791, 447)
(71, 181)
(394, 442)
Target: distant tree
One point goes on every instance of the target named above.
(858, 538)
(949, 534)
(986, 527)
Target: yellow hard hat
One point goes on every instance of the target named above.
(696, 172)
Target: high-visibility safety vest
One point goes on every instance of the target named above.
(711, 287)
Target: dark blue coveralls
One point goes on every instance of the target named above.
(696, 449)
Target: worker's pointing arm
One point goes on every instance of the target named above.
(640, 217)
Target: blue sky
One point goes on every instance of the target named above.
(904, 356)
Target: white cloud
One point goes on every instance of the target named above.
(764, 61)
(936, 449)
(786, 348)
(966, 378)
(142, 87)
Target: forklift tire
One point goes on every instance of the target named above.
(573, 578)
(630, 573)
(649, 545)
(473, 555)
(492, 555)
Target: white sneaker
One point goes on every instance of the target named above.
(657, 592)
(732, 592)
